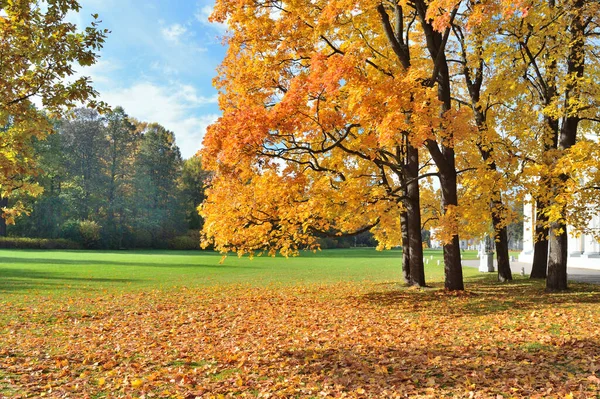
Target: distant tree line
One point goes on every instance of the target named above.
(112, 182)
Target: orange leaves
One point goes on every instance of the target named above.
(351, 340)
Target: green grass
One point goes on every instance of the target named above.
(59, 272)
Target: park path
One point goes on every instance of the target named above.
(590, 276)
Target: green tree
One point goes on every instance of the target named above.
(38, 50)
(193, 181)
(84, 145)
(158, 200)
(121, 141)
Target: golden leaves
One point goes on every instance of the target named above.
(352, 340)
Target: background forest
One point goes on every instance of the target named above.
(112, 182)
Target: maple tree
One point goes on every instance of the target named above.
(342, 172)
(366, 96)
(342, 97)
(554, 43)
(483, 90)
(38, 51)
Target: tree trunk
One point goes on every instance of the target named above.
(442, 152)
(3, 203)
(413, 212)
(540, 248)
(405, 248)
(557, 260)
(501, 239)
(452, 264)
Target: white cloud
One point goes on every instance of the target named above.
(173, 32)
(175, 107)
(164, 68)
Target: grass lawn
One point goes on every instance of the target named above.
(164, 324)
(34, 272)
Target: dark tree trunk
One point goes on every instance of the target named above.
(3, 203)
(557, 260)
(452, 264)
(540, 248)
(501, 239)
(405, 248)
(413, 212)
(442, 152)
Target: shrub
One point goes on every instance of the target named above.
(37, 243)
(184, 243)
(90, 233)
(70, 230)
(328, 243)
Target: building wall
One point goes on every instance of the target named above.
(584, 250)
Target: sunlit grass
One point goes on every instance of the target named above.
(34, 273)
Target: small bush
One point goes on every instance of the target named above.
(37, 243)
(90, 233)
(70, 230)
(328, 243)
(184, 243)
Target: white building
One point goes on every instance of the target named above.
(584, 251)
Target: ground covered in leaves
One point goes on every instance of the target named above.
(341, 340)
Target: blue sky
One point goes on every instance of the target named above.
(159, 62)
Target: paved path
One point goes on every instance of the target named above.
(579, 275)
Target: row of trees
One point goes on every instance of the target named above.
(104, 180)
(399, 115)
(111, 182)
(39, 51)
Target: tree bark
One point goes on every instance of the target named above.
(442, 152)
(501, 239)
(557, 260)
(413, 212)
(3, 203)
(452, 264)
(405, 248)
(540, 247)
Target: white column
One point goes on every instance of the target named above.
(528, 227)
(574, 244)
(592, 247)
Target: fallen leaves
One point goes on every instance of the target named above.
(329, 341)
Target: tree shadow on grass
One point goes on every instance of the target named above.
(526, 368)
(27, 279)
(482, 296)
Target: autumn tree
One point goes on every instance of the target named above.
(555, 43)
(317, 114)
(483, 89)
(38, 51)
(352, 93)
